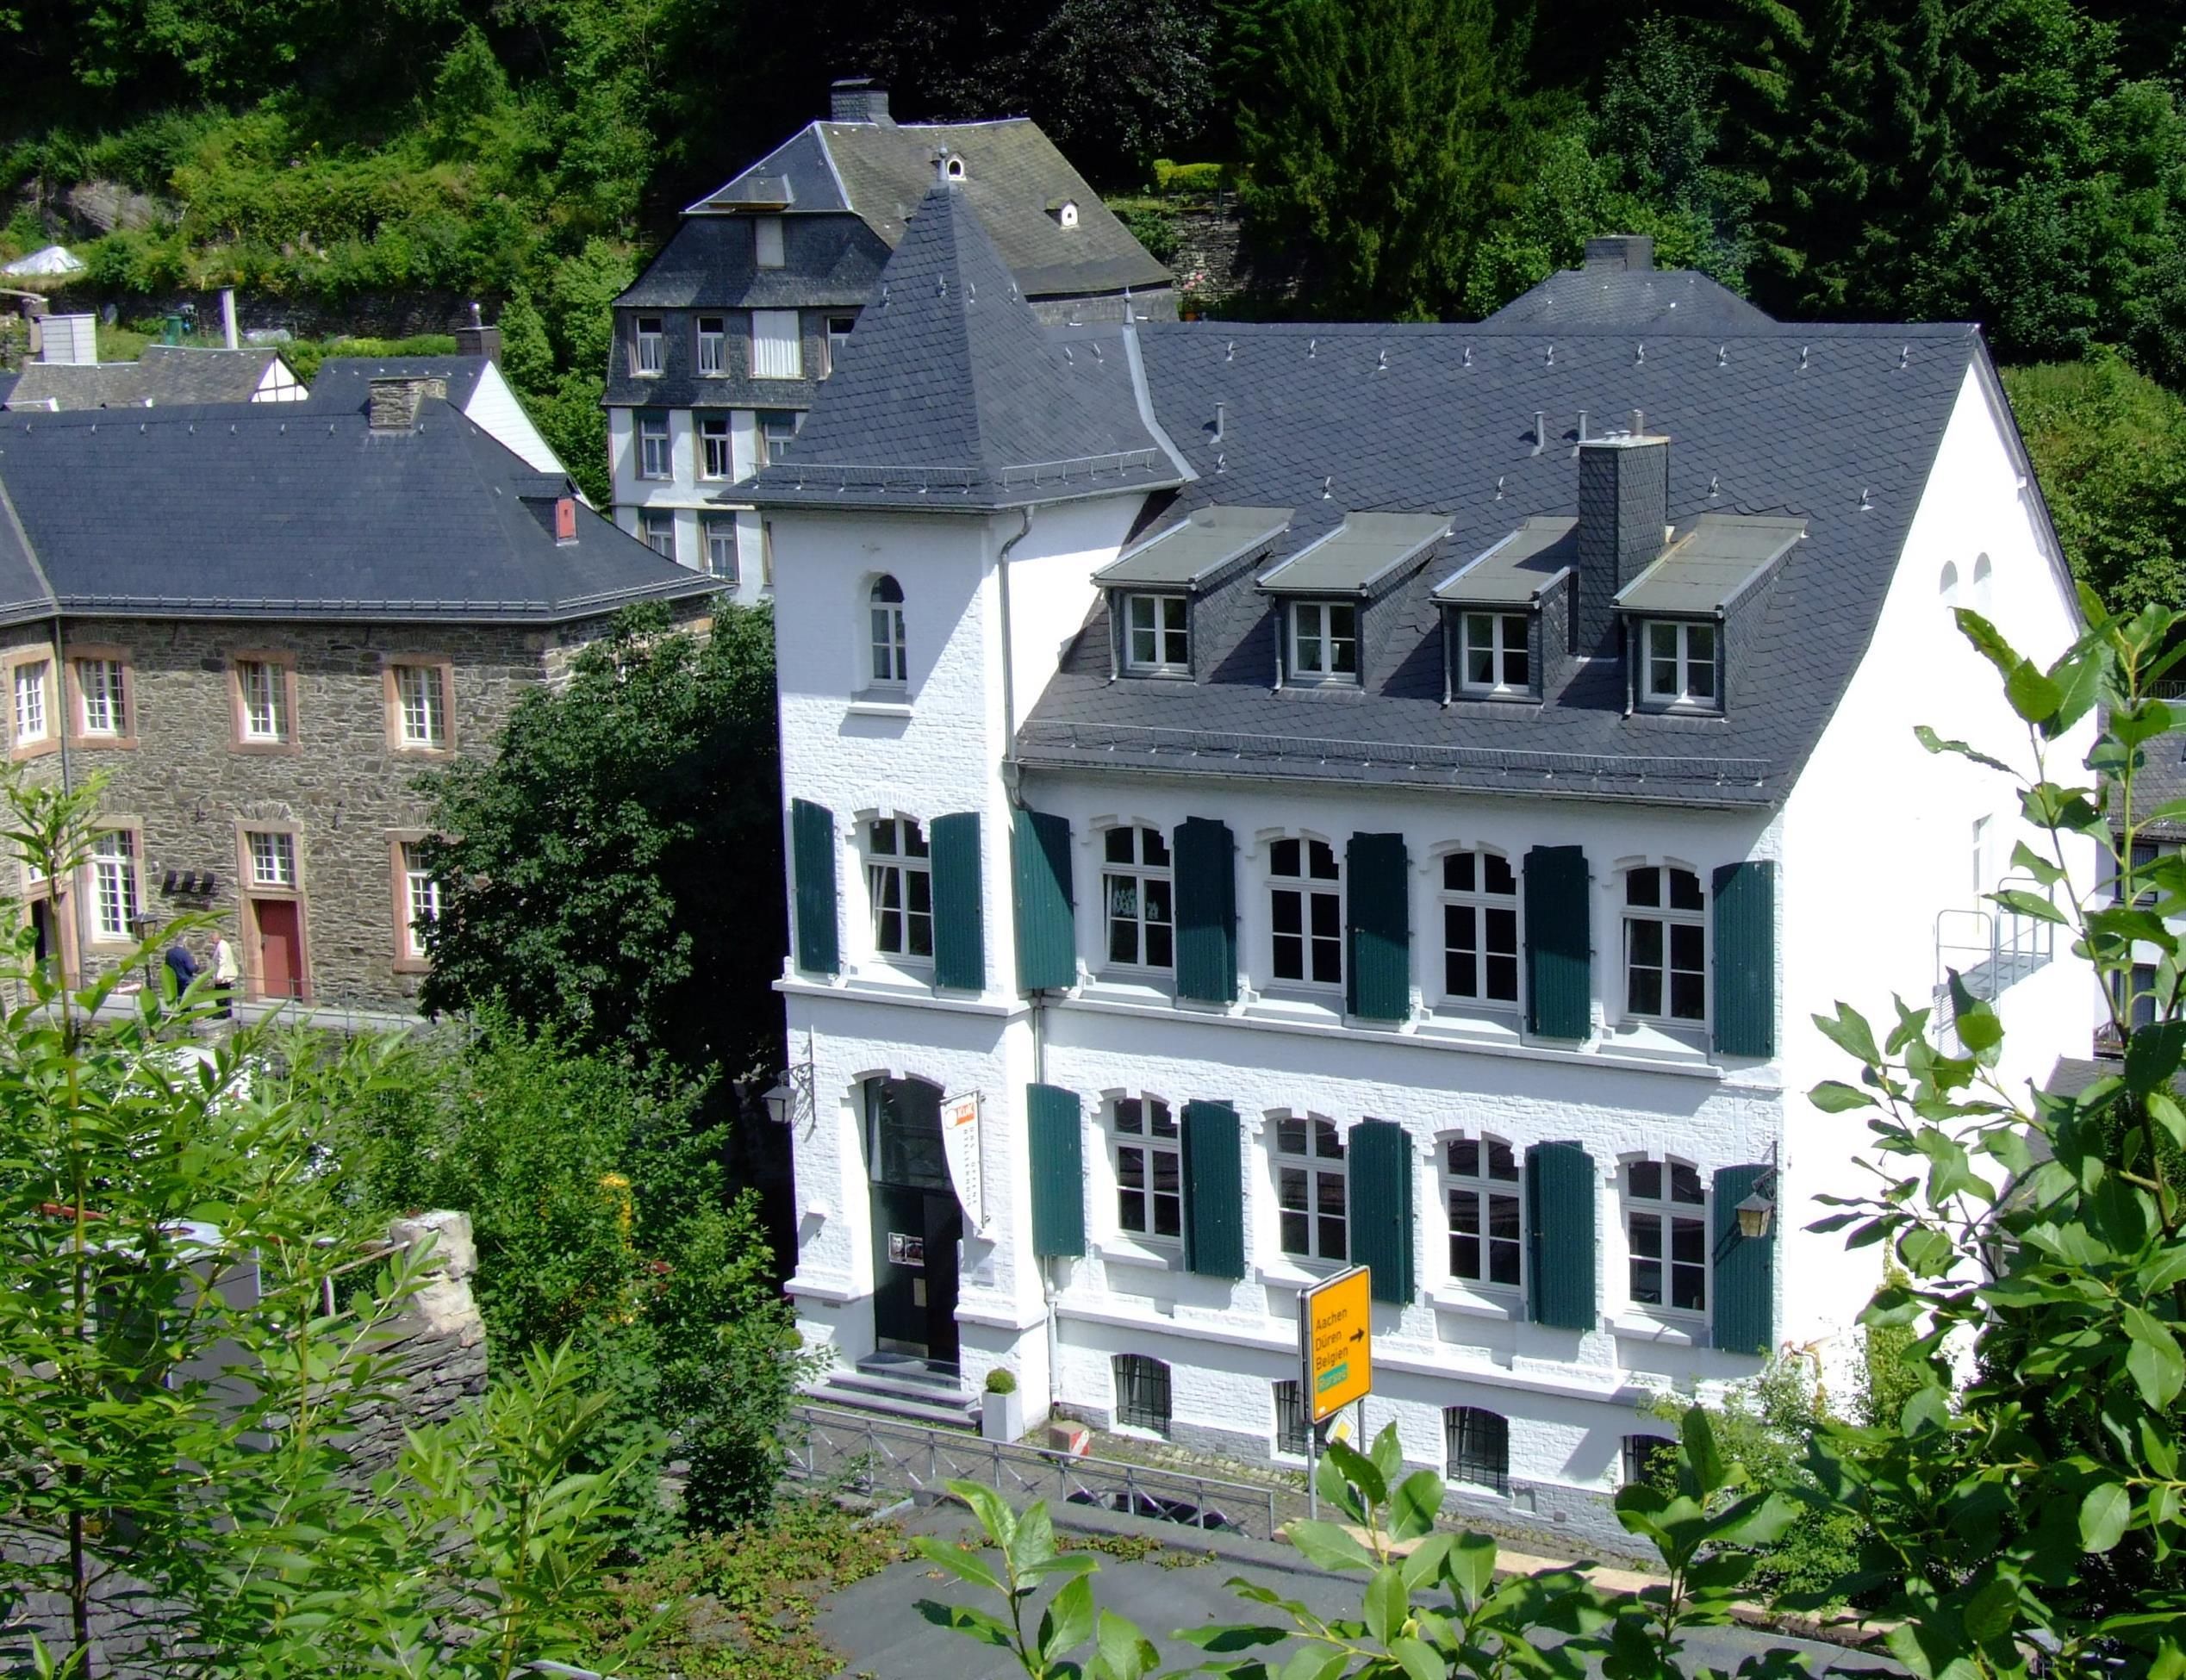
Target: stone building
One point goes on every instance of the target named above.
(262, 624)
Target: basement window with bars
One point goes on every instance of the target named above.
(1649, 1458)
(1142, 1392)
(1293, 1435)
(1478, 1445)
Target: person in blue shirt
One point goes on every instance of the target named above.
(182, 965)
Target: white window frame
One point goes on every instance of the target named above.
(836, 340)
(1320, 1160)
(1662, 1214)
(1137, 893)
(102, 681)
(421, 901)
(777, 345)
(117, 898)
(264, 685)
(33, 712)
(716, 447)
(899, 883)
(1166, 635)
(767, 247)
(887, 642)
(713, 344)
(651, 520)
(1484, 905)
(648, 346)
(1133, 1130)
(1311, 891)
(1669, 663)
(1667, 920)
(1506, 639)
(1481, 1193)
(273, 853)
(1315, 624)
(768, 441)
(421, 707)
(722, 544)
(655, 446)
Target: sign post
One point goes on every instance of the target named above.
(960, 1144)
(1336, 1354)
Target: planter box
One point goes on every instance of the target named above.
(1002, 1416)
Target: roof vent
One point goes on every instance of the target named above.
(395, 401)
(858, 99)
(1621, 250)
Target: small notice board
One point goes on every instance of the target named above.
(1336, 1342)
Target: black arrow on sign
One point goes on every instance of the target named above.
(1358, 1335)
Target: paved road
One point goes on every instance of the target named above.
(877, 1626)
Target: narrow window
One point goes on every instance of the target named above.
(1682, 665)
(1293, 1435)
(647, 356)
(659, 533)
(2136, 995)
(1135, 886)
(654, 458)
(1142, 1392)
(1150, 1170)
(1480, 1187)
(767, 242)
(713, 343)
(421, 901)
(273, 858)
(1650, 1458)
(1310, 1199)
(1156, 639)
(777, 427)
(1665, 1221)
(1478, 1444)
(720, 549)
(899, 882)
(1305, 911)
(30, 701)
(1479, 928)
(114, 883)
(422, 704)
(265, 699)
(887, 640)
(838, 335)
(1324, 641)
(777, 350)
(716, 458)
(1492, 655)
(99, 683)
(1665, 945)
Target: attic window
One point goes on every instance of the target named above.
(1682, 665)
(1323, 641)
(1156, 641)
(1065, 211)
(645, 353)
(1492, 654)
(955, 169)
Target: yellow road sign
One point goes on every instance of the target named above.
(1336, 1342)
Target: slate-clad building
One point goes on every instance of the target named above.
(261, 623)
(1300, 796)
(723, 343)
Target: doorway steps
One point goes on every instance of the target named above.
(900, 1385)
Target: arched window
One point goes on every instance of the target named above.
(955, 167)
(1142, 1392)
(890, 667)
(1480, 1188)
(1666, 1228)
(1665, 945)
(1134, 889)
(1647, 1457)
(1947, 585)
(1479, 928)
(1310, 1193)
(1150, 1169)
(1984, 589)
(1479, 1446)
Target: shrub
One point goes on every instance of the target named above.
(1155, 229)
(1175, 178)
(1001, 1380)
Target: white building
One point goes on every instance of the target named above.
(1374, 793)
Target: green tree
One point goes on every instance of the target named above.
(1392, 133)
(614, 871)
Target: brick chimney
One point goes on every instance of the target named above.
(1623, 505)
(479, 339)
(858, 99)
(394, 400)
(1614, 251)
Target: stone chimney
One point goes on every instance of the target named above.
(858, 99)
(396, 398)
(1623, 505)
(1614, 251)
(479, 339)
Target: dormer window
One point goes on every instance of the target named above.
(1065, 212)
(646, 353)
(1492, 654)
(954, 169)
(1156, 642)
(1323, 641)
(1683, 664)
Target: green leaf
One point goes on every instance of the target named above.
(1929, 1408)
(2032, 695)
(2166, 1113)
(962, 1619)
(1472, 1567)
(1697, 1438)
(988, 1507)
(1387, 1604)
(1993, 1609)
(2103, 1517)
(1329, 1547)
(1125, 1653)
(1413, 1507)
(1836, 1097)
(1232, 1636)
(2028, 904)
(1418, 1659)
(2152, 1054)
(1934, 742)
(1849, 1031)
(960, 1561)
(2154, 1362)
(1068, 1622)
(1360, 1471)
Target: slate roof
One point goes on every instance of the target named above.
(1681, 299)
(881, 171)
(285, 512)
(1836, 425)
(344, 381)
(952, 395)
(828, 261)
(163, 374)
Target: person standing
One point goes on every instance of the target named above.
(182, 965)
(226, 972)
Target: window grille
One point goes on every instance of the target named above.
(1142, 1392)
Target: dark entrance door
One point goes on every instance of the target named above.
(46, 926)
(916, 1221)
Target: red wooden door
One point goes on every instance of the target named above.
(280, 949)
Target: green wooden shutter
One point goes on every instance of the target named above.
(1745, 1280)
(1377, 899)
(1746, 959)
(1047, 935)
(812, 849)
(1206, 911)
(1560, 947)
(1560, 1236)
(960, 938)
(1381, 1206)
(1214, 1201)
(1058, 1152)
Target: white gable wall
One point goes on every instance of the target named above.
(493, 408)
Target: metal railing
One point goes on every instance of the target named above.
(875, 1455)
(1991, 949)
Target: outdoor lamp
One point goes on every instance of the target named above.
(1754, 1214)
(781, 1105)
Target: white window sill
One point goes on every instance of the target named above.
(1292, 1272)
(1327, 1011)
(1682, 1331)
(1506, 696)
(875, 706)
(1122, 1251)
(1122, 989)
(1455, 1298)
(1481, 1026)
(879, 977)
(1654, 1042)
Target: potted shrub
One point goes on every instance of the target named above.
(1001, 1413)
